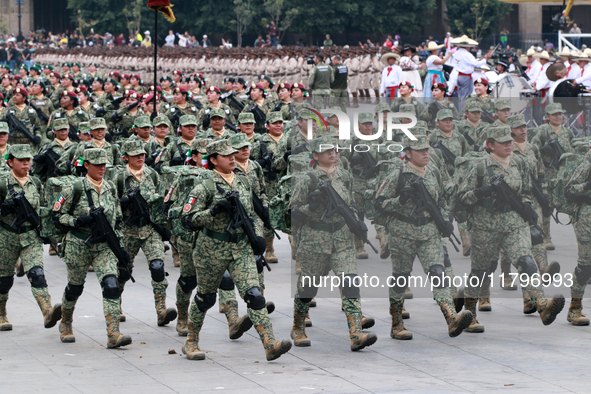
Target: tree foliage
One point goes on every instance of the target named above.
(475, 18)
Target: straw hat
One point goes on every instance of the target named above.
(464, 41)
(432, 46)
(564, 53)
(388, 55)
(544, 55)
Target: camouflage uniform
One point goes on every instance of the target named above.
(398, 101)
(214, 254)
(456, 143)
(210, 134)
(178, 148)
(79, 256)
(75, 117)
(475, 137)
(66, 151)
(175, 112)
(205, 113)
(319, 81)
(430, 112)
(28, 117)
(504, 229)
(267, 107)
(23, 242)
(416, 236)
(122, 121)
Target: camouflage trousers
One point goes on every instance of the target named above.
(212, 258)
(78, 257)
(486, 246)
(184, 244)
(583, 269)
(150, 242)
(320, 98)
(227, 296)
(402, 254)
(31, 255)
(340, 98)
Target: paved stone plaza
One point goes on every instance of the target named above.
(516, 352)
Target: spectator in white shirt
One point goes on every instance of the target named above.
(391, 76)
(169, 39)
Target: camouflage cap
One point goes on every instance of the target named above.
(500, 134)
(444, 114)
(365, 117)
(134, 148)
(142, 121)
(554, 109)
(502, 104)
(221, 147)
(84, 127)
(96, 156)
(219, 112)
(246, 117)
(4, 127)
(199, 145)
(240, 141)
(188, 120)
(97, 123)
(473, 106)
(61, 124)
(417, 130)
(382, 107)
(516, 121)
(274, 116)
(422, 142)
(322, 144)
(408, 108)
(21, 151)
(160, 120)
(422, 123)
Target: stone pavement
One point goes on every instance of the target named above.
(515, 354)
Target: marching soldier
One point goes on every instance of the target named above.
(122, 120)
(68, 109)
(259, 106)
(405, 89)
(213, 94)
(28, 118)
(181, 106)
(217, 131)
(438, 103)
(472, 127)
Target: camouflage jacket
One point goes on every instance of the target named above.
(398, 101)
(478, 134)
(210, 135)
(75, 118)
(430, 112)
(456, 144)
(205, 112)
(28, 117)
(546, 133)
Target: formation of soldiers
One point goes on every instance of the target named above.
(117, 166)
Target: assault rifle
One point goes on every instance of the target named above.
(448, 156)
(140, 210)
(14, 124)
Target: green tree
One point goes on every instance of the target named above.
(244, 16)
(326, 17)
(283, 13)
(133, 15)
(107, 14)
(393, 16)
(475, 18)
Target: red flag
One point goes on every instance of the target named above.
(164, 7)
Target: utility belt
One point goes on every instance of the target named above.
(331, 228)
(414, 221)
(80, 234)
(224, 236)
(21, 230)
(500, 209)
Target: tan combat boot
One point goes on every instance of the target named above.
(509, 282)
(51, 314)
(273, 348)
(298, 330)
(551, 269)
(398, 331)
(367, 322)
(408, 295)
(455, 323)
(475, 326)
(181, 323)
(236, 325)
(191, 346)
(20, 270)
(405, 313)
(4, 323)
(548, 309)
(175, 258)
(52, 251)
(466, 245)
(548, 239)
(165, 315)
(270, 252)
(114, 338)
(360, 250)
(529, 304)
(575, 311)
(66, 332)
(308, 320)
(359, 340)
(484, 300)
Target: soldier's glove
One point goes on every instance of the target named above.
(546, 149)
(449, 229)
(36, 140)
(132, 106)
(187, 222)
(378, 204)
(83, 221)
(260, 246)
(100, 112)
(166, 234)
(39, 159)
(115, 117)
(528, 214)
(221, 206)
(316, 200)
(176, 161)
(149, 161)
(286, 155)
(108, 137)
(7, 207)
(125, 203)
(483, 191)
(587, 186)
(363, 226)
(407, 193)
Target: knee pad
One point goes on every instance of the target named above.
(6, 283)
(157, 270)
(72, 292)
(582, 272)
(400, 282)
(205, 301)
(110, 286)
(37, 277)
(348, 287)
(437, 271)
(446, 259)
(527, 265)
(227, 283)
(493, 266)
(187, 283)
(254, 298)
(307, 291)
(536, 236)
